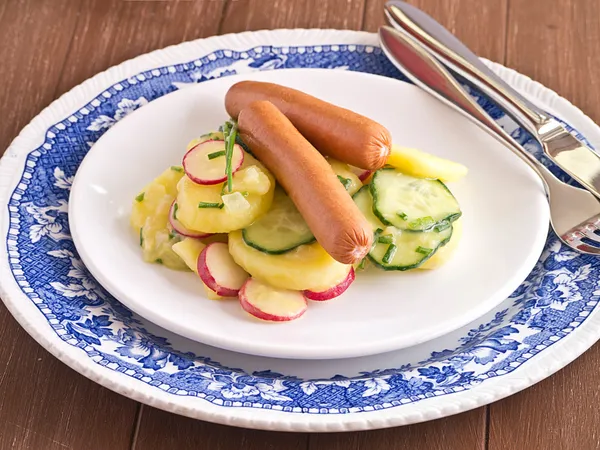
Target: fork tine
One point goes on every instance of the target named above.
(574, 238)
(589, 231)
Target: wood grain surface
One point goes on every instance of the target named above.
(49, 46)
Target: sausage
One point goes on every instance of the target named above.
(336, 132)
(331, 214)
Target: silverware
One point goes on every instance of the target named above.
(569, 153)
(574, 212)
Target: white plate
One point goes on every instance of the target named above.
(505, 217)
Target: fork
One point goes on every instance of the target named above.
(574, 212)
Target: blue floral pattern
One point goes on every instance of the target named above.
(555, 299)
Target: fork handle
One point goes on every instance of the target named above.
(449, 49)
(429, 74)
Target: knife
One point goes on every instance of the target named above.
(565, 150)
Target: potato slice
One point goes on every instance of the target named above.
(346, 176)
(306, 267)
(219, 219)
(417, 163)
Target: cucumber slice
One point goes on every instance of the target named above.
(280, 230)
(396, 249)
(410, 203)
(407, 249)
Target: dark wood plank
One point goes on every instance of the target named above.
(112, 31)
(160, 430)
(35, 39)
(480, 24)
(559, 413)
(558, 46)
(242, 15)
(43, 403)
(461, 432)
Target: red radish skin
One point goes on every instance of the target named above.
(366, 174)
(362, 174)
(219, 272)
(202, 170)
(180, 229)
(333, 292)
(272, 312)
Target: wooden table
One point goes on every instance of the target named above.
(49, 46)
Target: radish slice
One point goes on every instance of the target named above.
(333, 292)
(362, 174)
(268, 303)
(219, 271)
(205, 163)
(180, 229)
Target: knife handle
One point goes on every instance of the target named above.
(452, 52)
(430, 75)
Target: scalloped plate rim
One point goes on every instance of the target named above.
(29, 317)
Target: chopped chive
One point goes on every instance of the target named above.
(159, 261)
(389, 254)
(210, 205)
(442, 226)
(361, 266)
(376, 234)
(421, 223)
(424, 250)
(216, 154)
(385, 239)
(402, 215)
(347, 182)
(140, 197)
(172, 235)
(141, 237)
(177, 169)
(175, 208)
(230, 133)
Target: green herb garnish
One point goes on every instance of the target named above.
(141, 237)
(172, 235)
(376, 234)
(361, 266)
(175, 208)
(245, 193)
(347, 182)
(421, 223)
(140, 197)
(216, 154)
(159, 261)
(389, 254)
(177, 169)
(442, 226)
(230, 130)
(210, 205)
(385, 239)
(424, 250)
(402, 215)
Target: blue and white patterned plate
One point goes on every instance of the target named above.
(547, 322)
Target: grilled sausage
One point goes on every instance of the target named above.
(334, 219)
(336, 132)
